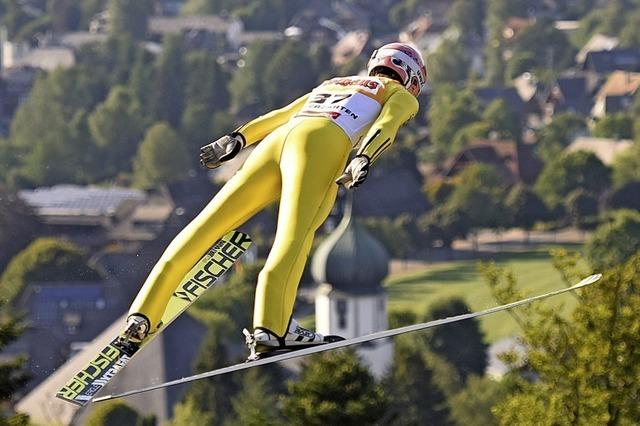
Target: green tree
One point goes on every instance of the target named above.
(187, 413)
(289, 73)
(473, 404)
(442, 225)
(167, 97)
(257, 402)
(117, 128)
(141, 81)
(582, 208)
(468, 358)
(65, 15)
(597, 344)
(450, 111)
(247, 82)
(625, 197)
(525, 207)
(267, 15)
(212, 398)
(571, 171)
(206, 92)
(630, 34)
(45, 259)
(8, 161)
(114, 414)
(449, 63)
(403, 12)
(42, 131)
(521, 62)
(500, 119)
(626, 166)
(549, 46)
(206, 82)
(478, 194)
(347, 396)
(616, 126)
(18, 225)
(391, 233)
(13, 375)
(466, 135)
(129, 17)
(467, 16)
(161, 157)
(615, 241)
(614, 17)
(415, 397)
(555, 136)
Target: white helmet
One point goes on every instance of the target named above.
(404, 60)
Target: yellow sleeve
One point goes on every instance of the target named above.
(258, 128)
(399, 108)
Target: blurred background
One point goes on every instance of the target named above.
(520, 174)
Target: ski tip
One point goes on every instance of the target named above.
(102, 398)
(589, 280)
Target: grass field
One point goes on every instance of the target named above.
(533, 270)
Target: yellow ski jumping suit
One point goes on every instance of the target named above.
(304, 148)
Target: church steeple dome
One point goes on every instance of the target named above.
(351, 260)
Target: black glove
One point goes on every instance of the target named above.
(224, 149)
(355, 173)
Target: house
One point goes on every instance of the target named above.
(530, 91)
(567, 94)
(349, 47)
(598, 64)
(93, 216)
(616, 94)
(515, 162)
(391, 193)
(514, 26)
(63, 316)
(47, 58)
(597, 42)
(158, 362)
(486, 95)
(604, 148)
(215, 29)
(76, 39)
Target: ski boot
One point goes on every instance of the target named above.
(137, 330)
(264, 343)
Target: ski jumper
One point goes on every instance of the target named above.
(304, 148)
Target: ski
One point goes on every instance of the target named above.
(94, 376)
(350, 342)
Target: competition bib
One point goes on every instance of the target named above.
(352, 103)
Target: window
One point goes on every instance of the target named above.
(342, 313)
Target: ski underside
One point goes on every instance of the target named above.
(355, 341)
(83, 387)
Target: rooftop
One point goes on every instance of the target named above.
(74, 200)
(605, 149)
(620, 83)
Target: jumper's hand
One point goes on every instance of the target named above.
(355, 173)
(224, 149)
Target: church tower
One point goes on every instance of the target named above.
(349, 267)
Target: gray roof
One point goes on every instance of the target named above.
(178, 24)
(47, 58)
(351, 259)
(605, 61)
(158, 362)
(79, 200)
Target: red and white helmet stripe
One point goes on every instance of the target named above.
(405, 60)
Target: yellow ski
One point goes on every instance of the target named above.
(83, 387)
